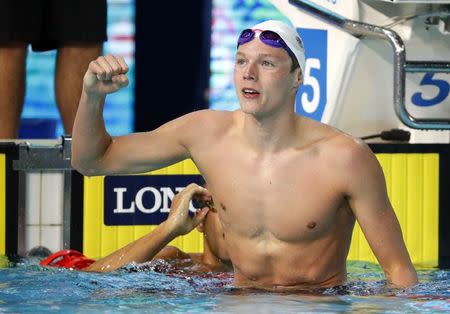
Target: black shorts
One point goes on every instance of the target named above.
(49, 24)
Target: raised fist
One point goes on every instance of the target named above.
(105, 75)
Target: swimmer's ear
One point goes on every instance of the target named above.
(299, 78)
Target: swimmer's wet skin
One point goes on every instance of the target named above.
(288, 189)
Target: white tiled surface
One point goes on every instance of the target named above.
(33, 198)
(52, 186)
(43, 210)
(430, 136)
(51, 237)
(32, 237)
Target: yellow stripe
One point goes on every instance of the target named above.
(2, 204)
(91, 219)
(430, 221)
(412, 218)
(413, 187)
(100, 240)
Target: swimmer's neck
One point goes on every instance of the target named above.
(270, 133)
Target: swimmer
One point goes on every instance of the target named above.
(287, 189)
(153, 245)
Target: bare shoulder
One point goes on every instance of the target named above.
(215, 118)
(208, 122)
(171, 252)
(350, 152)
(196, 128)
(335, 146)
(351, 148)
(208, 115)
(202, 118)
(353, 161)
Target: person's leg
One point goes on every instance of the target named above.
(71, 65)
(12, 87)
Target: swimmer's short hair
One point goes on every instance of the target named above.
(294, 65)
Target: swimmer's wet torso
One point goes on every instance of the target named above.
(285, 216)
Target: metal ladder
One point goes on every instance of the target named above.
(401, 65)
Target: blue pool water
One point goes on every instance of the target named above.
(29, 288)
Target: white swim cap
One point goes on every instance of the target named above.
(289, 36)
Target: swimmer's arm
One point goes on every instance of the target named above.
(90, 138)
(95, 152)
(171, 252)
(367, 195)
(147, 247)
(141, 250)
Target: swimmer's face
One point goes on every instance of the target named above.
(214, 234)
(263, 78)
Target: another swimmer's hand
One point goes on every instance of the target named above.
(179, 219)
(105, 75)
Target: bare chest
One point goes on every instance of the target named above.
(290, 199)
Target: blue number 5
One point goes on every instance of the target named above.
(443, 87)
